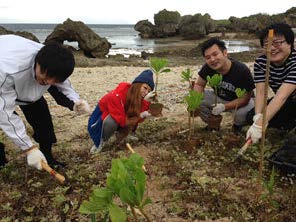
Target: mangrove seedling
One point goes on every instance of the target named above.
(126, 182)
(187, 77)
(214, 82)
(239, 93)
(193, 101)
(158, 66)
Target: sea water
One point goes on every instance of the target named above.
(123, 38)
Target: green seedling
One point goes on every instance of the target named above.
(268, 193)
(158, 66)
(239, 93)
(214, 82)
(126, 181)
(193, 101)
(187, 77)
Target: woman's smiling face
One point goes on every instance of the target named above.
(280, 50)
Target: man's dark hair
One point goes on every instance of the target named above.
(279, 29)
(210, 42)
(56, 60)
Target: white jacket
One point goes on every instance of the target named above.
(19, 87)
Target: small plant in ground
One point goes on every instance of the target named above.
(239, 93)
(158, 66)
(126, 181)
(193, 101)
(187, 77)
(214, 82)
(268, 193)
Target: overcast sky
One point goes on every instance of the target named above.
(130, 11)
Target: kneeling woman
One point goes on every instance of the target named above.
(121, 109)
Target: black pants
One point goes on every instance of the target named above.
(38, 116)
(285, 118)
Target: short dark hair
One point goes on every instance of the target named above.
(210, 42)
(279, 29)
(57, 60)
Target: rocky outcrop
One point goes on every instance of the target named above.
(88, 41)
(170, 23)
(166, 25)
(192, 27)
(24, 34)
(145, 28)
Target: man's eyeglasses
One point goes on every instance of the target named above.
(275, 43)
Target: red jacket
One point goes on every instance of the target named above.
(113, 103)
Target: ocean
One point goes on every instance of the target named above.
(124, 39)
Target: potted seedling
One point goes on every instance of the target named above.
(215, 120)
(126, 184)
(158, 66)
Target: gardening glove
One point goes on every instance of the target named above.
(34, 158)
(145, 114)
(150, 96)
(81, 107)
(257, 116)
(219, 108)
(254, 132)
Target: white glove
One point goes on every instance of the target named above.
(219, 108)
(34, 158)
(145, 114)
(81, 106)
(149, 97)
(255, 133)
(257, 116)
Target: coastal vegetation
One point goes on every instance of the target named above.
(202, 183)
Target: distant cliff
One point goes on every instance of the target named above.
(171, 23)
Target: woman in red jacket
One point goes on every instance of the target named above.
(121, 109)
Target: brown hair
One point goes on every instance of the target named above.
(133, 104)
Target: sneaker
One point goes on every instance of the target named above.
(95, 149)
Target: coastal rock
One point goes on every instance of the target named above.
(24, 34)
(88, 41)
(145, 28)
(193, 27)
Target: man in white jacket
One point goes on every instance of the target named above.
(27, 70)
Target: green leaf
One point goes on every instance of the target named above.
(215, 80)
(193, 100)
(89, 207)
(116, 214)
(186, 75)
(240, 92)
(129, 197)
(157, 64)
(165, 70)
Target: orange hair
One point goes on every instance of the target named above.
(133, 104)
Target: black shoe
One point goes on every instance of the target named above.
(3, 159)
(56, 164)
(236, 129)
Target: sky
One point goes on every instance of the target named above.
(130, 11)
